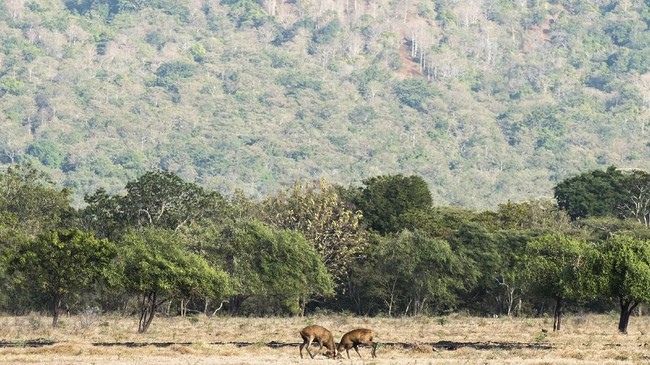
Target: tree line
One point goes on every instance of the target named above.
(380, 247)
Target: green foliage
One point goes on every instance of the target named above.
(440, 222)
(592, 194)
(412, 274)
(155, 264)
(57, 266)
(384, 199)
(416, 93)
(156, 260)
(543, 214)
(296, 81)
(328, 33)
(29, 196)
(170, 73)
(155, 199)
(198, 52)
(330, 226)
(363, 115)
(245, 13)
(49, 153)
(625, 265)
(555, 266)
(156, 39)
(276, 271)
(11, 86)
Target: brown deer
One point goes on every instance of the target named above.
(319, 334)
(357, 337)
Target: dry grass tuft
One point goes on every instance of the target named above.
(181, 349)
(421, 348)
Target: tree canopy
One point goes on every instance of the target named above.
(58, 266)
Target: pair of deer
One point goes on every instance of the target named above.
(325, 339)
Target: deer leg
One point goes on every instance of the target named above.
(304, 342)
(374, 349)
(357, 350)
(309, 345)
(319, 348)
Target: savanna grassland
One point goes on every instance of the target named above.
(588, 339)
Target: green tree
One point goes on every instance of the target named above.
(532, 214)
(162, 199)
(155, 265)
(48, 152)
(555, 265)
(439, 222)
(412, 274)
(169, 74)
(481, 252)
(156, 199)
(274, 271)
(506, 277)
(592, 194)
(384, 199)
(58, 265)
(33, 200)
(317, 211)
(625, 267)
(416, 93)
(12, 297)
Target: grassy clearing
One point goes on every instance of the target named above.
(589, 339)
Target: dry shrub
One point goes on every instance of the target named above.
(579, 321)
(182, 349)
(421, 348)
(57, 349)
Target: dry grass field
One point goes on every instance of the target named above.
(92, 339)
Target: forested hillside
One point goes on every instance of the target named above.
(487, 100)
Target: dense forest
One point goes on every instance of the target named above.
(169, 246)
(487, 101)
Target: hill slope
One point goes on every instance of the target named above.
(488, 101)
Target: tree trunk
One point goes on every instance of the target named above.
(148, 310)
(626, 310)
(557, 314)
(302, 307)
(56, 308)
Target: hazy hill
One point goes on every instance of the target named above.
(488, 100)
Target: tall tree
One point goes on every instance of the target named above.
(555, 265)
(625, 267)
(155, 199)
(412, 274)
(326, 221)
(58, 265)
(532, 214)
(277, 268)
(384, 199)
(33, 200)
(592, 194)
(155, 264)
